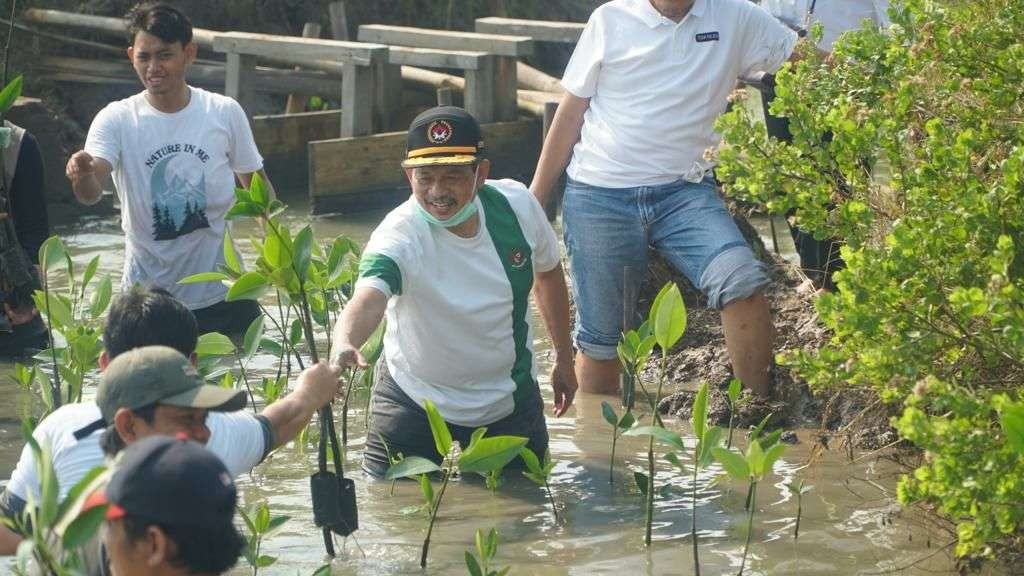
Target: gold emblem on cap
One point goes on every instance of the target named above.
(439, 132)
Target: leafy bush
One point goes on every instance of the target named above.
(908, 145)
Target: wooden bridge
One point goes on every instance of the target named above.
(349, 158)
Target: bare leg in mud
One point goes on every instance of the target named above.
(597, 376)
(747, 325)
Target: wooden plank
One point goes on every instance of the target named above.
(372, 170)
(387, 97)
(111, 26)
(434, 58)
(298, 50)
(283, 142)
(506, 105)
(539, 30)
(358, 88)
(268, 80)
(339, 20)
(239, 80)
(480, 97)
(501, 45)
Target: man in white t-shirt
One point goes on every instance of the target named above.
(174, 152)
(644, 87)
(78, 435)
(453, 267)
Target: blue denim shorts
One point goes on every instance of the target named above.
(608, 230)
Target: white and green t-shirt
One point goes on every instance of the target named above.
(458, 322)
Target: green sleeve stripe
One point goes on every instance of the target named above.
(383, 267)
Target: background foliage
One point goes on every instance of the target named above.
(908, 145)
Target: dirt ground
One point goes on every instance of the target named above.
(848, 419)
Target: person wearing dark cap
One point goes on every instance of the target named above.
(453, 268)
(170, 511)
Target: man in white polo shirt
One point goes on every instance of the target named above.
(643, 89)
(453, 267)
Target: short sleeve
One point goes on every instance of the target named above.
(25, 477)
(104, 138)
(768, 43)
(581, 74)
(546, 254)
(238, 439)
(243, 156)
(384, 260)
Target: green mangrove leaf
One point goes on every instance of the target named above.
(472, 565)
(265, 561)
(231, 259)
(659, 433)
(276, 522)
(411, 466)
(771, 455)
(426, 488)
(324, 570)
(52, 254)
(712, 439)
(249, 286)
(243, 209)
(531, 461)
(204, 277)
(57, 310)
(90, 272)
(271, 346)
(261, 518)
(755, 459)
(277, 249)
(490, 454)
(609, 414)
(374, 345)
(248, 521)
(770, 439)
(214, 344)
(439, 429)
(82, 528)
(735, 387)
(674, 460)
(77, 491)
(642, 481)
(699, 415)
(1012, 421)
(295, 332)
(669, 316)
(9, 95)
(253, 336)
(491, 543)
(303, 252)
(627, 421)
(735, 465)
(101, 297)
(759, 429)
(258, 192)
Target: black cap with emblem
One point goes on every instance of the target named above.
(445, 135)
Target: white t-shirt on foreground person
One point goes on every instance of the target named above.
(175, 178)
(835, 16)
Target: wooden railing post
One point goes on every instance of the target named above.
(506, 89)
(238, 82)
(357, 100)
(481, 85)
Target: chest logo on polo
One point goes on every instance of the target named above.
(439, 132)
(707, 37)
(518, 258)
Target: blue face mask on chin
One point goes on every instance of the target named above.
(465, 213)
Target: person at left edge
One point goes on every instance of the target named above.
(174, 152)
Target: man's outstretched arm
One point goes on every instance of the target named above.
(552, 297)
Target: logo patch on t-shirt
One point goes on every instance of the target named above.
(707, 37)
(518, 258)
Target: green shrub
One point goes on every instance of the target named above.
(909, 145)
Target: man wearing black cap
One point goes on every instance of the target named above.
(453, 268)
(170, 506)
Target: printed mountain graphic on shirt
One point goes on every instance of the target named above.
(178, 188)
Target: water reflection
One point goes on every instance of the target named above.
(850, 524)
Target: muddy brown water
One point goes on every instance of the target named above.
(851, 523)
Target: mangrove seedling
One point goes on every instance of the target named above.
(486, 548)
(482, 456)
(750, 467)
(540, 473)
(259, 523)
(733, 395)
(667, 321)
(798, 489)
(634, 350)
(55, 530)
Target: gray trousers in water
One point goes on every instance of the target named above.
(403, 425)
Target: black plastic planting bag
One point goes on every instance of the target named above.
(334, 503)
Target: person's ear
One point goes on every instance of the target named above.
(191, 50)
(160, 549)
(104, 360)
(131, 53)
(408, 175)
(124, 423)
(483, 172)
